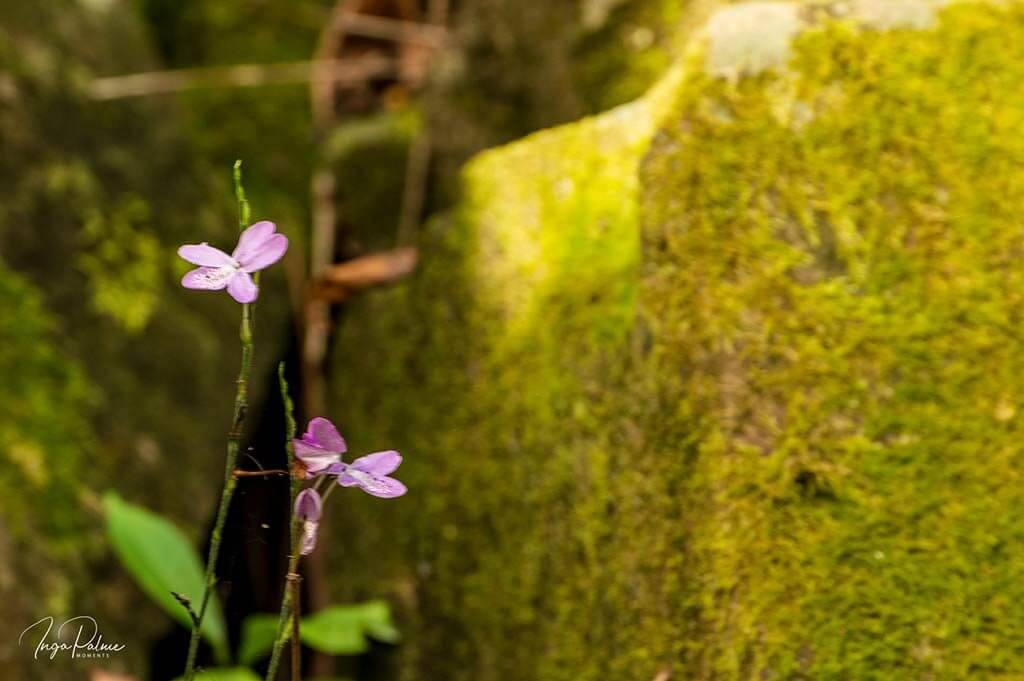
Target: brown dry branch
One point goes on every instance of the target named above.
(338, 282)
(417, 167)
(259, 474)
(386, 28)
(338, 72)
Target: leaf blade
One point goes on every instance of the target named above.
(343, 629)
(163, 562)
(259, 631)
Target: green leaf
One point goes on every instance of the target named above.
(337, 631)
(224, 674)
(342, 629)
(378, 623)
(163, 562)
(258, 634)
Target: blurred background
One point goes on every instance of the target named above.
(698, 325)
(119, 124)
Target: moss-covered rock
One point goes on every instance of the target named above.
(832, 275)
(724, 382)
(509, 370)
(46, 541)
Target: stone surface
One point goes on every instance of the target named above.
(725, 382)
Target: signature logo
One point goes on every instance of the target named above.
(79, 636)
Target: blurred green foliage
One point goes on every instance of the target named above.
(225, 674)
(268, 127)
(95, 198)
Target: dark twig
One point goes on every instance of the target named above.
(186, 603)
(294, 537)
(260, 474)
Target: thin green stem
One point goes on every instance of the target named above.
(243, 203)
(287, 624)
(284, 621)
(295, 584)
(331, 485)
(234, 442)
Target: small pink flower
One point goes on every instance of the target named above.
(258, 247)
(320, 449)
(320, 446)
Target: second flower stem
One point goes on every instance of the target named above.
(287, 624)
(285, 628)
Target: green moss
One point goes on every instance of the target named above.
(505, 361)
(749, 409)
(833, 279)
(45, 444)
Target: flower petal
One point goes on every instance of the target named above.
(308, 505)
(316, 458)
(209, 278)
(309, 530)
(266, 255)
(378, 463)
(205, 255)
(242, 288)
(377, 485)
(336, 468)
(383, 487)
(252, 238)
(322, 432)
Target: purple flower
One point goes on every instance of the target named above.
(308, 506)
(370, 474)
(258, 247)
(321, 446)
(320, 450)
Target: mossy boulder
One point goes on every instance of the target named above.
(724, 383)
(46, 541)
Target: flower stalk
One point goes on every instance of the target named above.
(291, 596)
(234, 442)
(317, 455)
